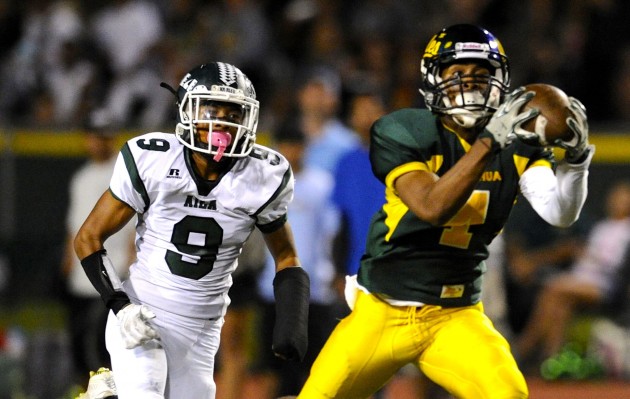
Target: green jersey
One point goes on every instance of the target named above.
(408, 259)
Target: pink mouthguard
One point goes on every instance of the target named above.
(220, 140)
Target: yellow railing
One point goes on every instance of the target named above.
(60, 143)
(611, 147)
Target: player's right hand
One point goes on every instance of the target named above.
(578, 123)
(508, 117)
(134, 325)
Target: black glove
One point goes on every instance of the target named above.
(291, 288)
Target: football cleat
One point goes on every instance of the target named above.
(101, 385)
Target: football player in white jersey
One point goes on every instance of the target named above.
(197, 195)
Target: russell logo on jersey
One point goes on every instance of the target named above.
(173, 174)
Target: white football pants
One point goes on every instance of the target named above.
(179, 365)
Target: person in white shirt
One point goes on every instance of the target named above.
(593, 281)
(87, 315)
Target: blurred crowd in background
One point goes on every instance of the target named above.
(60, 59)
(323, 71)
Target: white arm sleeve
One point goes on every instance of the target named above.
(558, 198)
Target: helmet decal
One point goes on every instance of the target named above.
(188, 82)
(227, 73)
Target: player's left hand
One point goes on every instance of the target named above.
(134, 325)
(578, 123)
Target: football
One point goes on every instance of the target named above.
(553, 104)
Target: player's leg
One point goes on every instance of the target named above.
(139, 373)
(470, 358)
(360, 356)
(191, 346)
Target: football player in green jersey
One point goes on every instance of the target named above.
(451, 175)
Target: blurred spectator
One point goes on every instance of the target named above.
(13, 348)
(10, 27)
(137, 100)
(593, 282)
(42, 110)
(357, 193)
(128, 32)
(20, 77)
(46, 25)
(389, 19)
(183, 45)
(68, 82)
(326, 42)
(621, 90)
(314, 224)
(366, 40)
(63, 22)
(607, 34)
(86, 310)
(556, 32)
(405, 91)
(236, 31)
(372, 66)
(534, 251)
(318, 102)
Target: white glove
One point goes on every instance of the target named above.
(507, 118)
(578, 123)
(134, 325)
(101, 385)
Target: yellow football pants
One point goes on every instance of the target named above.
(458, 348)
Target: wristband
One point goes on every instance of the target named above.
(580, 159)
(495, 146)
(101, 273)
(291, 287)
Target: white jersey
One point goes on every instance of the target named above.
(190, 232)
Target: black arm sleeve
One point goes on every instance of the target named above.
(291, 287)
(98, 274)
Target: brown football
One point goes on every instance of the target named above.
(553, 104)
